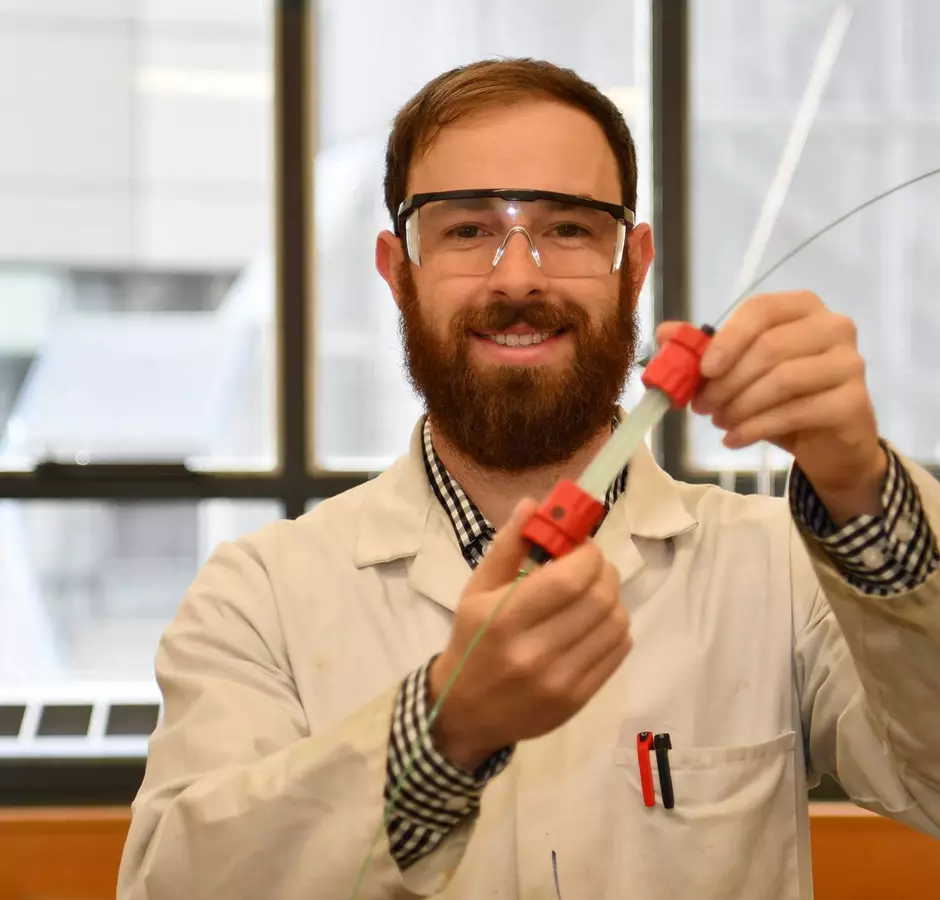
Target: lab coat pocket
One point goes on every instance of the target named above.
(731, 833)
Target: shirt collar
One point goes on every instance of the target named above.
(474, 531)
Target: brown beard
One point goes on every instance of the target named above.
(513, 418)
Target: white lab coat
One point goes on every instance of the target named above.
(279, 673)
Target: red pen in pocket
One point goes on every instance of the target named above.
(644, 744)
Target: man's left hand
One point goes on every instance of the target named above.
(786, 369)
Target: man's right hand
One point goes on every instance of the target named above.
(561, 635)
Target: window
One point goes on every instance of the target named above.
(88, 588)
(136, 287)
(91, 585)
(358, 360)
(799, 112)
(136, 327)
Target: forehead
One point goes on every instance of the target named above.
(535, 144)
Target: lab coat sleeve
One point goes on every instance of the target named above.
(867, 670)
(241, 798)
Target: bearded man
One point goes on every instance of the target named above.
(645, 714)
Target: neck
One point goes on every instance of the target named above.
(496, 493)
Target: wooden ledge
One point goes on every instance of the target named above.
(74, 854)
(65, 854)
(858, 855)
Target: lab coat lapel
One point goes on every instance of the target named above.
(650, 508)
(654, 502)
(617, 544)
(401, 518)
(439, 571)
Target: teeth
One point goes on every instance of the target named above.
(520, 340)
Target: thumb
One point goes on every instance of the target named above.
(505, 554)
(666, 330)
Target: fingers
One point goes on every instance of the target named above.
(553, 588)
(791, 380)
(805, 338)
(506, 554)
(612, 634)
(556, 676)
(605, 661)
(821, 411)
(666, 331)
(750, 321)
(555, 635)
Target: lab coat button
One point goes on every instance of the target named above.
(873, 558)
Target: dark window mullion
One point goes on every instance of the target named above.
(294, 159)
(138, 483)
(670, 116)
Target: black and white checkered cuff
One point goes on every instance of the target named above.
(435, 796)
(880, 555)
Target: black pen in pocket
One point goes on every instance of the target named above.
(662, 744)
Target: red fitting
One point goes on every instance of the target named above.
(566, 519)
(676, 369)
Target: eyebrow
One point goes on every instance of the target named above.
(473, 203)
(561, 204)
(476, 203)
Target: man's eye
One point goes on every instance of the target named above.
(569, 230)
(467, 232)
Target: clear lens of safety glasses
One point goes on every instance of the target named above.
(469, 232)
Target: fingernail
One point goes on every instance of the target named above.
(731, 440)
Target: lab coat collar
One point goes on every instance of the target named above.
(401, 518)
(395, 509)
(651, 507)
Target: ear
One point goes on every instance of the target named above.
(640, 254)
(388, 260)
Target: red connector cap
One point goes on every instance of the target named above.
(564, 520)
(676, 369)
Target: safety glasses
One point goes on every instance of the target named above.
(467, 232)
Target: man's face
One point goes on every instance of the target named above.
(518, 407)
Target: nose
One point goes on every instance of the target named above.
(516, 272)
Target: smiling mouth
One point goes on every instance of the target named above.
(520, 340)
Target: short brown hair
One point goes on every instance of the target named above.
(491, 83)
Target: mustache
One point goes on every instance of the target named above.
(543, 316)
